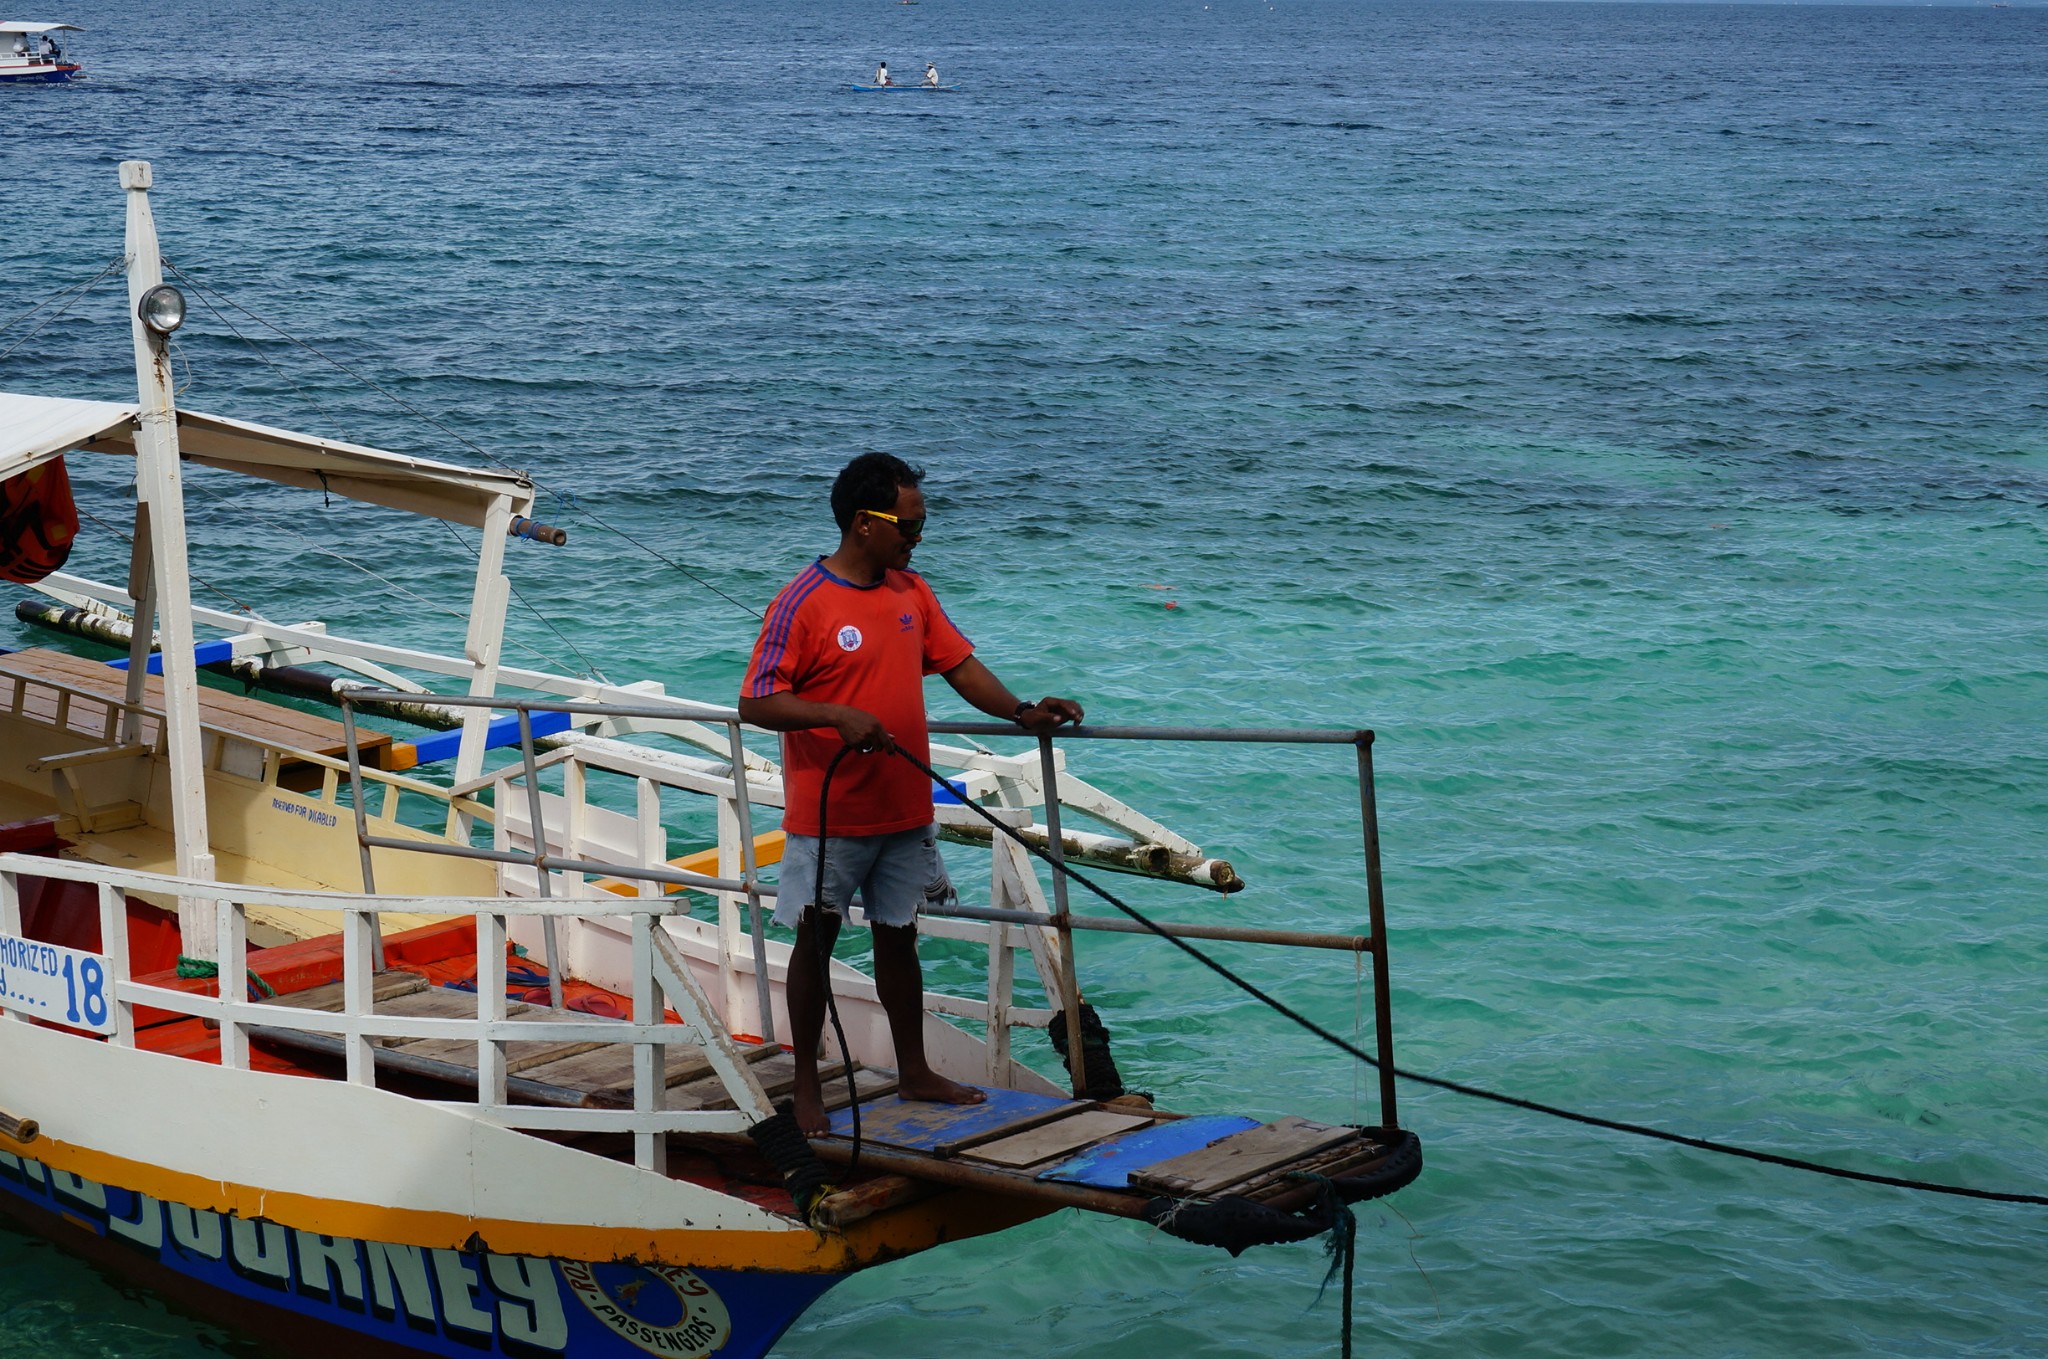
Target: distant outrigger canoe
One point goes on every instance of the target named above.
(29, 66)
(906, 89)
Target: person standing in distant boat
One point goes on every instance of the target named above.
(882, 74)
(931, 75)
(839, 670)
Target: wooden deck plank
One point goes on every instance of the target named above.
(919, 1125)
(519, 1056)
(1061, 1137)
(871, 1082)
(387, 987)
(608, 1071)
(266, 723)
(1240, 1157)
(1109, 1165)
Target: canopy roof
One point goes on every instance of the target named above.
(35, 429)
(16, 26)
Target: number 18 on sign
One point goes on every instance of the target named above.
(49, 981)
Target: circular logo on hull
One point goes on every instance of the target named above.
(849, 638)
(662, 1309)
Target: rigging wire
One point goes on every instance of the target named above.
(1479, 1092)
(199, 289)
(568, 501)
(390, 585)
(129, 538)
(74, 294)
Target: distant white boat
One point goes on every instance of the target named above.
(30, 52)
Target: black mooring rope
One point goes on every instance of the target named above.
(824, 954)
(1477, 1092)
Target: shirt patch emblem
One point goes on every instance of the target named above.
(909, 621)
(849, 638)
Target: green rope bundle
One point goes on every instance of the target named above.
(206, 967)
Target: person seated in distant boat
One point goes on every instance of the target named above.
(931, 75)
(50, 48)
(882, 74)
(839, 670)
(21, 44)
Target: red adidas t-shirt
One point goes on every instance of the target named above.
(831, 641)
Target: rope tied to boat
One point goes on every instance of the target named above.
(783, 1143)
(1099, 1075)
(192, 968)
(824, 956)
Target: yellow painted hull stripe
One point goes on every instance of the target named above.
(904, 1231)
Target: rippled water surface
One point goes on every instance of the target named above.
(1633, 413)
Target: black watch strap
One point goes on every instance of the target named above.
(1022, 708)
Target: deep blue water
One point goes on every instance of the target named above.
(1634, 413)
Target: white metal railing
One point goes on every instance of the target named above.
(660, 974)
(741, 896)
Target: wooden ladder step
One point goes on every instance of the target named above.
(1240, 1157)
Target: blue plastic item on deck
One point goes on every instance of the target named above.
(1108, 1165)
(922, 1126)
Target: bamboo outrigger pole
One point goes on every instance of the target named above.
(160, 522)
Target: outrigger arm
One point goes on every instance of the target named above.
(160, 521)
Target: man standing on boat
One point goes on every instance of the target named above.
(840, 666)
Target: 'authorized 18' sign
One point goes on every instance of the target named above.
(49, 981)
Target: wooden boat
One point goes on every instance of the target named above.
(393, 1130)
(29, 53)
(898, 89)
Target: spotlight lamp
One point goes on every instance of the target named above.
(162, 309)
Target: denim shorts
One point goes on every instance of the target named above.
(895, 875)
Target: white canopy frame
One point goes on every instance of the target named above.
(36, 429)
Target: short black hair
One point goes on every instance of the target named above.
(870, 482)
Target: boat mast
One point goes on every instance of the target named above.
(160, 521)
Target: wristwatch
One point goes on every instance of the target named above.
(1022, 708)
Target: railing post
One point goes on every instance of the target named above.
(114, 945)
(650, 1060)
(540, 853)
(231, 958)
(490, 1007)
(355, 796)
(10, 920)
(1376, 904)
(743, 808)
(359, 950)
(1070, 985)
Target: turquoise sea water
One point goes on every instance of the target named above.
(1634, 413)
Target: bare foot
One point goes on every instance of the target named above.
(809, 1108)
(936, 1089)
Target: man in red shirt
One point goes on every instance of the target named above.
(840, 664)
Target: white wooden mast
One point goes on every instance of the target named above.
(160, 501)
